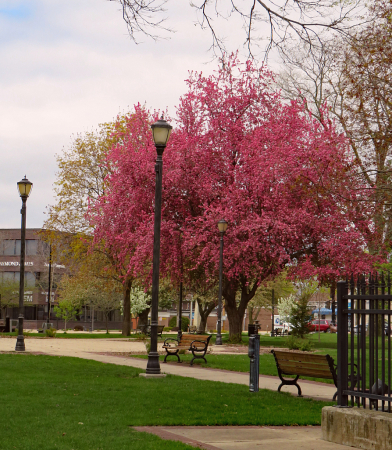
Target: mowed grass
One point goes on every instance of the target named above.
(70, 403)
(240, 362)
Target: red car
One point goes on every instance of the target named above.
(321, 324)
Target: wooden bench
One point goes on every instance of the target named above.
(305, 364)
(147, 330)
(197, 344)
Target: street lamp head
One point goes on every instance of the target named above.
(24, 187)
(222, 225)
(161, 131)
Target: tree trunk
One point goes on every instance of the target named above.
(236, 313)
(250, 314)
(204, 311)
(106, 319)
(143, 318)
(126, 325)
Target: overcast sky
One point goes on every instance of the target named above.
(67, 66)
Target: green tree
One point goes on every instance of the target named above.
(9, 294)
(263, 298)
(82, 290)
(300, 316)
(65, 310)
(80, 181)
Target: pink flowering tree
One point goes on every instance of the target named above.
(282, 181)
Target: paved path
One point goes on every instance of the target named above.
(225, 438)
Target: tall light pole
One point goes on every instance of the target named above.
(222, 227)
(24, 187)
(161, 132)
(50, 282)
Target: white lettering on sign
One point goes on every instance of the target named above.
(56, 266)
(15, 263)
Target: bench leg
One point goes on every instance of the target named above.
(290, 382)
(196, 356)
(172, 354)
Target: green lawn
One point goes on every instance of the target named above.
(70, 403)
(240, 363)
(236, 363)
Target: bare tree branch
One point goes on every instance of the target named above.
(286, 19)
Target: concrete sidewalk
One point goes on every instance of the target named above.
(225, 438)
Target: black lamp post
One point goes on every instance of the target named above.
(50, 283)
(161, 132)
(24, 187)
(222, 226)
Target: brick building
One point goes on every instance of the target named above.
(36, 272)
(37, 282)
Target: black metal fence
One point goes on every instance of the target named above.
(364, 342)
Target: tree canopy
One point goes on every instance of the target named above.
(280, 179)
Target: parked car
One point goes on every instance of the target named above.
(319, 324)
(282, 329)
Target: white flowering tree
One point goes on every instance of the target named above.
(139, 301)
(285, 307)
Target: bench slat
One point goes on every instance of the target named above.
(292, 356)
(304, 365)
(306, 372)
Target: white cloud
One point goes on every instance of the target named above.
(67, 66)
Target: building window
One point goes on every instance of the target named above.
(14, 277)
(10, 277)
(31, 247)
(11, 247)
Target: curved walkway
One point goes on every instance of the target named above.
(225, 438)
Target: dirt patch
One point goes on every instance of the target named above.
(123, 354)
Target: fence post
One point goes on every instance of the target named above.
(342, 291)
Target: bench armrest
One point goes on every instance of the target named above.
(167, 343)
(201, 342)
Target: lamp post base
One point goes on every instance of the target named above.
(153, 367)
(152, 375)
(20, 345)
(218, 340)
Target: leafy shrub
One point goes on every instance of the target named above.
(167, 328)
(78, 328)
(140, 337)
(148, 347)
(184, 323)
(294, 343)
(306, 345)
(51, 332)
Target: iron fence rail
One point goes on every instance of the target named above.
(364, 342)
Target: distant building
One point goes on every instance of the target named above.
(36, 271)
(37, 282)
